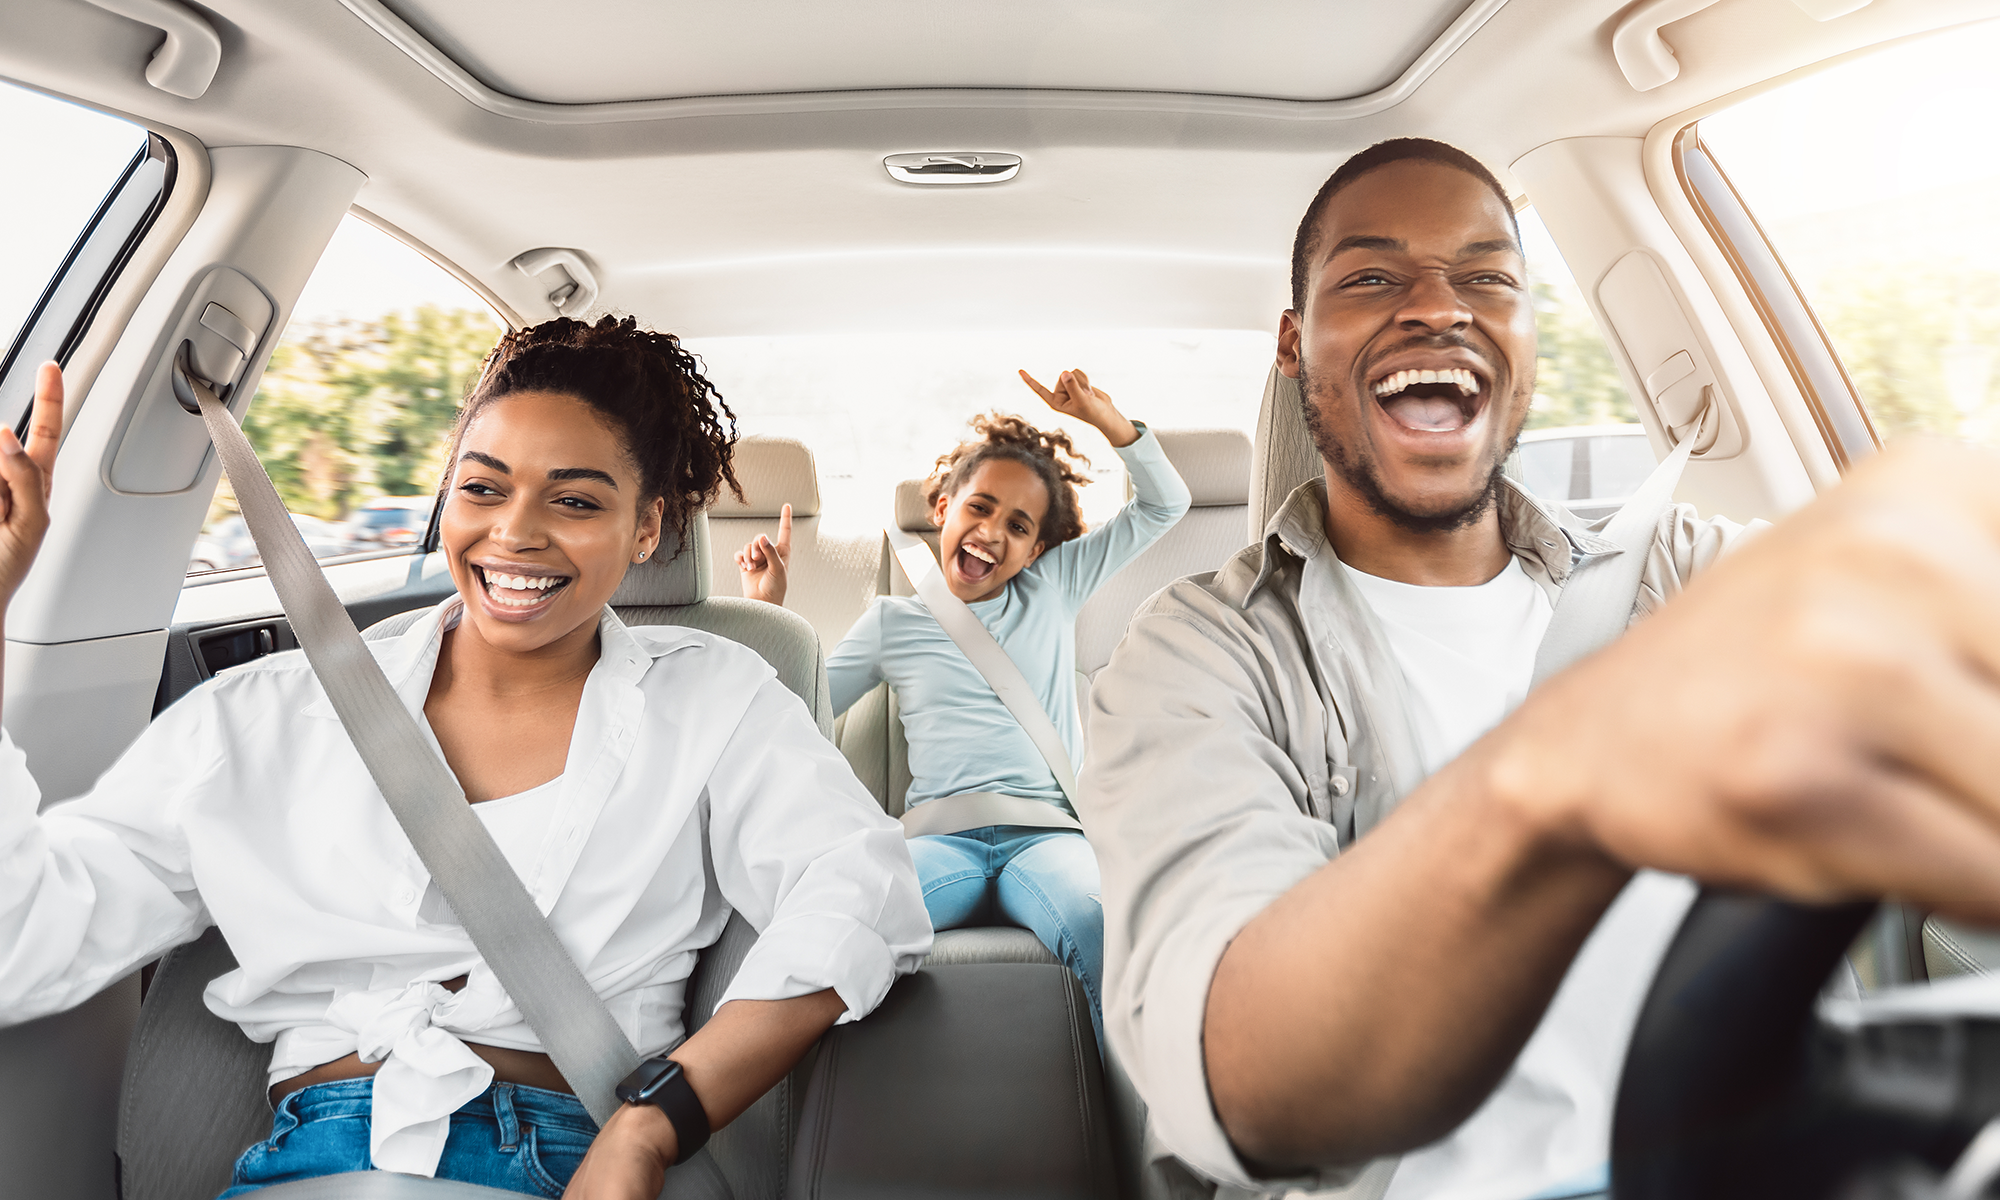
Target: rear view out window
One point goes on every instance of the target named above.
(62, 159)
(351, 415)
(1878, 184)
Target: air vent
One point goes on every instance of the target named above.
(958, 166)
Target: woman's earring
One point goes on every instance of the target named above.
(643, 554)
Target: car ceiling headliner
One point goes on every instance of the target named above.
(772, 213)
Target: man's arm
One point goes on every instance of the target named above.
(1818, 717)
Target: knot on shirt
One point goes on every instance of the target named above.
(427, 1073)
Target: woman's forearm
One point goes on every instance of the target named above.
(749, 1045)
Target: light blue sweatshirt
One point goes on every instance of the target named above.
(962, 739)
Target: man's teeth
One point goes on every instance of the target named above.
(1466, 381)
(979, 554)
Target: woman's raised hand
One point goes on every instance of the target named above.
(1074, 397)
(27, 472)
(763, 562)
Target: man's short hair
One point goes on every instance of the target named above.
(1381, 154)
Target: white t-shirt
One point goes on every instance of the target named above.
(1468, 655)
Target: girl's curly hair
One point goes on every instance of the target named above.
(1050, 455)
(679, 435)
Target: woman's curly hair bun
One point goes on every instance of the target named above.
(679, 434)
(1048, 453)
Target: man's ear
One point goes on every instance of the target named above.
(1289, 330)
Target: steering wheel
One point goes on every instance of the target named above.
(1734, 1088)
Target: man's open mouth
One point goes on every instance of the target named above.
(520, 591)
(1431, 401)
(975, 564)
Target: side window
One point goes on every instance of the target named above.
(351, 416)
(70, 162)
(1582, 437)
(1875, 185)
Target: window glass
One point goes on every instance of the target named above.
(1618, 465)
(1877, 182)
(66, 159)
(1576, 377)
(1545, 467)
(877, 409)
(352, 412)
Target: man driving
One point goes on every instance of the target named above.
(1349, 900)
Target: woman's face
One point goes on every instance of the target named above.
(541, 520)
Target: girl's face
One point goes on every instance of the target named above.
(990, 530)
(541, 521)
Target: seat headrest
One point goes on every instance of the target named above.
(1215, 463)
(774, 472)
(1284, 456)
(913, 512)
(668, 578)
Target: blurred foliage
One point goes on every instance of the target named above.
(351, 410)
(1921, 343)
(1576, 381)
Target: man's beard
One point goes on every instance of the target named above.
(1357, 470)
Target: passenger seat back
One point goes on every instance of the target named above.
(1283, 456)
(833, 577)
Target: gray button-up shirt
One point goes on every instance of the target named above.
(1252, 723)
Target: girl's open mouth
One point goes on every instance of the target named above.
(520, 591)
(974, 564)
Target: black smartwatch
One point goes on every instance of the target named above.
(660, 1082)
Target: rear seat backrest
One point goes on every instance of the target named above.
(1216, 465)
(833, 576)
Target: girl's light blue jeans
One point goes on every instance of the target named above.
(512, 1137)
(1044, 880)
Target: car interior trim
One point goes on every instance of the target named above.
(1822, 379)
(450, 72)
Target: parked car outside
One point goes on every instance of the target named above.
(390, 521)
(1589, 469)
(227, 544)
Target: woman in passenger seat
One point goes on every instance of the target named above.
(643, 782)
(1013, 548)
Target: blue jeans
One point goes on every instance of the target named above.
(517, 1138)
(1044, 880)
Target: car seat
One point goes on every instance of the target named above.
(1283, 455)
(194, 1089)
(833, 576)
(1215, 464)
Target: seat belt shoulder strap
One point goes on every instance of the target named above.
(985, 654)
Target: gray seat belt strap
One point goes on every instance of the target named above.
(506, 927)
(1597, 599)
(978, 810)
(987, 656)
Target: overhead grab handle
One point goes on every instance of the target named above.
(1641, 52)
(573, 298)
(186, 62)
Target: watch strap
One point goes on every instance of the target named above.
(660, 1082)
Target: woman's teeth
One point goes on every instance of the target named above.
(527, 590)
(1466, 382)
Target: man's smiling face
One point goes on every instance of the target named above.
(1416, 347)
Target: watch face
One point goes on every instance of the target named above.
(634, 1089)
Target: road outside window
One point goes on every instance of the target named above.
(1878, 182)
(72, 155)
(353, 410)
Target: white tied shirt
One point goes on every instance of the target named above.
(1468, 656)
(696, 784)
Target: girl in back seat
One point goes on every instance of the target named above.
(1013, 549)
(643, 782)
